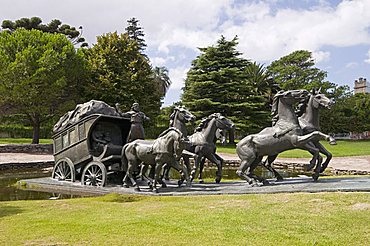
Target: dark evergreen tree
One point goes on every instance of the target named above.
(55, 26)
(135, 32)
(218, 82)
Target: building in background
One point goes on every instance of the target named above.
(362, 86)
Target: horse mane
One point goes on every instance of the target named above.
(302, 106)
(204, 123)
(168, 130)
(172, 117)
(275, 106)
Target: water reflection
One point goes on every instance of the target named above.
(10, 192)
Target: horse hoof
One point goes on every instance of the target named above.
(155, 191)
(125, 186)
(164, 185)
(151, 187)
(167, 178)
(265, 182)
(309, 167)
(180, 182)
(315, 177)
(218, 180)
(279, 179)
(201, 181)
(333, 142)
(137, 189)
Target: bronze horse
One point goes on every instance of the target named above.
(178, 119)
(203, 142)
(285, 134)
(309, 120)
(166, 149)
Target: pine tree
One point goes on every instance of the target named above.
(218, 82)
(55, 26)
(135, 32)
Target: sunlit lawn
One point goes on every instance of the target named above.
(343, 148)
(22, 141)
(264, 219)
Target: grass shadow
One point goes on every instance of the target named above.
(8, 210)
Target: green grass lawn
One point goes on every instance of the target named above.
(343, 148)
(23, 141)
(270, 219)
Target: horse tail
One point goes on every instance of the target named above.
(124, 160)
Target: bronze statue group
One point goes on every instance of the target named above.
(290, 129)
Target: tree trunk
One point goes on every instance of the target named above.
(232, 136)
(36, 130)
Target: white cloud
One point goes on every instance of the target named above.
(161, 61)
(368, 57)
(351, 65)
(321, 56)
(267, 29)
(277, 34)
(177, 76)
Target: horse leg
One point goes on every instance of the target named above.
(315, 156)
(314, 136)
(201, 167)
(315, 151)
(187, 164)
(245, 165)
(152, 172)
(197, 160)
(328, 155)
(144, 169)
(166, 172)
(213, 159)
(157, 176)
(219, 158)
(254, 176)
(176, 165)
(125, 181)
(131, 177)
(268, 165)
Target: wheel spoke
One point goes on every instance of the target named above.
(68, 175)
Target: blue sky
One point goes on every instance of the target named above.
(336, 32)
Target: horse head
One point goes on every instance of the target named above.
(182, 114)
(286, 98)
(320, 100)
(222, 122)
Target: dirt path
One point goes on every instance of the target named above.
(358, 163)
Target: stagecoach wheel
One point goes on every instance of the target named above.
(64, 170)
(94, 174)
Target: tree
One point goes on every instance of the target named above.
(40, 74)
(135, 32)
(121, 74)
(297, 71)
(161, 78)
(218, 82)
(55, 26)
(349, 114)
